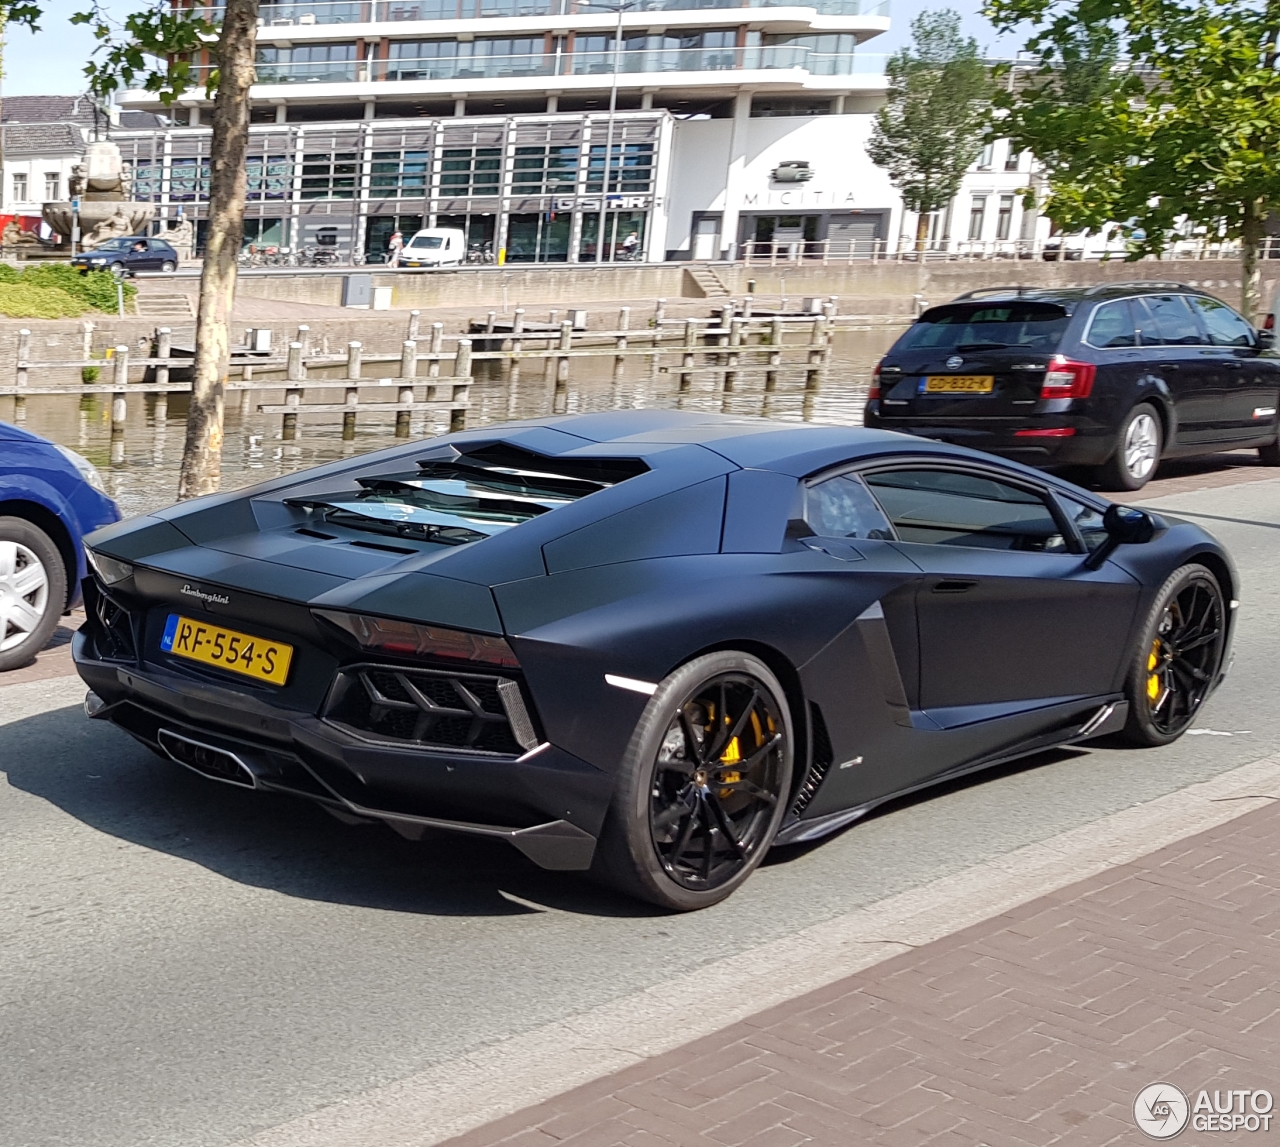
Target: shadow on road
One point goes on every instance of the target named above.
(101, 777)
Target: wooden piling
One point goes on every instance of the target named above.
(164, 347)
(686, 362)
(408, 372)
(412, 334)
(659, 312)
(620, 360)
(461, 386)
(295, 371)
(436, 347)
(775, 361)
(562, 368)
(24, 355)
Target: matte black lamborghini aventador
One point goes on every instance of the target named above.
(648, 644)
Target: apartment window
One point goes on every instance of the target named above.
(330, 176)
(826, 55)
(146, 181)
(423, 59)
(470, 170)
(189, 179)
(630, 168)
(52, 184)
(544, 170)
(268, 176)
(20, 187)
(309, 63)
(1004, 217)
(977, 216)
(985, 156)
(1012, 160)
(394, 174)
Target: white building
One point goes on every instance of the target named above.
(739, 126)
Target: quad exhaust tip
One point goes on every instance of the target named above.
(207, 760)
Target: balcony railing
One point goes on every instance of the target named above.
(305, 12)
(510, 67)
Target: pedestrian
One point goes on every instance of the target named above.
(394, 246)
(629, 245)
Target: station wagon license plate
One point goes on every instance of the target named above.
(241, 653)
(959, 384)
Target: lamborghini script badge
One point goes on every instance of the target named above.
(207, 598)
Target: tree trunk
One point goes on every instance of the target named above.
(922, 231)
(202, 454)
(1251, 238)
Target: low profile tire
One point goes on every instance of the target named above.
(33, 591)
(1178, 657)
(703, 785)
(168, 267)
(1138, 446)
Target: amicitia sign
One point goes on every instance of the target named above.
(799, 197)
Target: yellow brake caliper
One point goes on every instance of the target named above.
(1153, 678)
(731, 756)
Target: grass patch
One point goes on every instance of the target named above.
(57, 291)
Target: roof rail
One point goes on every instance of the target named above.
(1162, 283)
(996, 291)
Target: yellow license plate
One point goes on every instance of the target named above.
(241, 653)
(959, 384)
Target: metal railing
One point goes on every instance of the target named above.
(517, 66)
(308, 12)
(905, 250)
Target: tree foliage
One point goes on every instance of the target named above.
(935, 116)
(1158, 117)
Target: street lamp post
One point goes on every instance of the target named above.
(619, 7)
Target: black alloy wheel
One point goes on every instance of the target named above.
(1178, 658)
(1139, 443)
(704, 784)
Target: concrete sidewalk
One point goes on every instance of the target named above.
(1038, 1026)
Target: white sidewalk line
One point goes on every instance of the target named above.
(496, 1080)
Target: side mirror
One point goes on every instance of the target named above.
(1125, 526)
(1266, 339)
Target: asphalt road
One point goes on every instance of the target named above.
(184, 964)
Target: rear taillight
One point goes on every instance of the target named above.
(1066, 378)
(1269, 323)
(874, 393)
(409, 639)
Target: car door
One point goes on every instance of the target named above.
(1250, 381)
(1010, 620)
(1180, 354)
(138, 260)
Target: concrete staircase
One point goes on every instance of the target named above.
(704, 283)
(168, 305)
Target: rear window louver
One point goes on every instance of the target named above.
(461, 498)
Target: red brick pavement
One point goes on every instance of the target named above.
(1037, 1027)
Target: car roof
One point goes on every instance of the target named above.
(1100, 292)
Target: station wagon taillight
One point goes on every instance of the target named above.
(874, 392)
(1269, 323)
(1066, 378)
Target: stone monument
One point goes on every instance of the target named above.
(101, 184)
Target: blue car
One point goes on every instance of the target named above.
(50, 497)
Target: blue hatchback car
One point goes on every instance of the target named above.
(50, 497)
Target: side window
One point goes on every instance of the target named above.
(1225, 327)
(842, 507)
(1174, 322)
(1087, 520)
(954, 508)
(1112, 326)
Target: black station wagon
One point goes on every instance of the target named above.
(1112, 378)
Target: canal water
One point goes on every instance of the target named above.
(141, 472)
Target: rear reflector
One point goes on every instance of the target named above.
(1057, 432)
(1067, 379)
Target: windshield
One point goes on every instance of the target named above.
(453, 502)
(988, 326)
(116, 245)
(429, 242)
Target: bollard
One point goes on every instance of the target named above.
(354, 359)
(461, 387)
(412, 334)
(164, 347)
(408, 371)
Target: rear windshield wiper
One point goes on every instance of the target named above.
(983, 346)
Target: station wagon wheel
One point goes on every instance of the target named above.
(33, 591)
(1139, 444)
(1178, 658)
(168, 266)
(704, 784)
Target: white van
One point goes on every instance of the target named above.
(434, 247)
